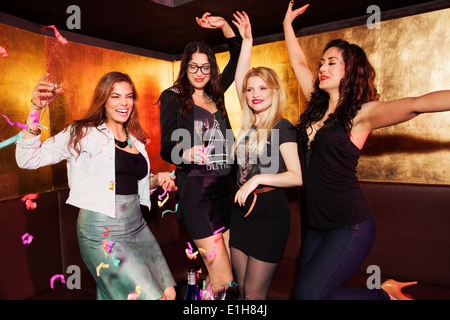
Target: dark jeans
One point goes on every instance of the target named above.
(330, 258)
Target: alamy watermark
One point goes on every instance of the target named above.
(74, 21)
(219, 147)
(374, 20)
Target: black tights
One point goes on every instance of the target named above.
(253, 276)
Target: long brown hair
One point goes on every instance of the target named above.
(96, 114)
(214, 86)
(356, 88)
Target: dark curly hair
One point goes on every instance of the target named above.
(214, 86)
(356, 88)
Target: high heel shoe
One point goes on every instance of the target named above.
(394, 289)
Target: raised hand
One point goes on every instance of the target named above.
(210, 22)
(292, 14)
(243, 24)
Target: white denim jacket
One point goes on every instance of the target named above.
(91, 175)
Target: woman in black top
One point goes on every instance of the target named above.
(203, 172)
(343, 109)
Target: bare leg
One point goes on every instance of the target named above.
(217, 263)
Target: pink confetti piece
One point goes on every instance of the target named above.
(27, 238)
(3, 51)
(161, 203)
(147, 141)
(212, 253)
(135, 294)
(23, 126)
(28, 199)
(35, 117)
(57, 34)
(160, 197)
(219, 230)
(56, 276)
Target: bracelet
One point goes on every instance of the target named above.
(35, 133)
(35, 105)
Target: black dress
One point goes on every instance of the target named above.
(263, 233)
(205, 192)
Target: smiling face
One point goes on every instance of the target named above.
(332, 70)
(199, 79)
(120, 103)
(259, 95)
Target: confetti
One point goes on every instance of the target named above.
(219, 230)
(111, 185)
(3, 51)
(35, 116)
(27, 238)
(57, 34)
(101, 265)
(161, 203)
(23, 126)
(191, 255)
(28, 199)
(11, 140)
(214, 250)
(135, 294)
(198, 273)
(173, 211)
(56, 276)
(160, 197)
(115, 261)
(106, 234)
(172, 174)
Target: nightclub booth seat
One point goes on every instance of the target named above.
(412, 244)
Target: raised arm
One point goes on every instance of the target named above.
(243, 24)
(380, 114)
(215, 22)
(297, 57)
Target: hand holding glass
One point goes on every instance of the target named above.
(48, 98)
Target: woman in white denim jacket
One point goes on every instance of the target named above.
(109, 178)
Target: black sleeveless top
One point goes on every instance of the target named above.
(334, 196)
(130, 168)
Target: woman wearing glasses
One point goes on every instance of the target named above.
(194, 137)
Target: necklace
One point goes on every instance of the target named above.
(123, 144)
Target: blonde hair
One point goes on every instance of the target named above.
(255, 140)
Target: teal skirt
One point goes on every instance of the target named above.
(125, 255)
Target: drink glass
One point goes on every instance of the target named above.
(55, 91)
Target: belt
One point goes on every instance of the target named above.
(260, 190)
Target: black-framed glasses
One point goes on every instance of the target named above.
(193, 68)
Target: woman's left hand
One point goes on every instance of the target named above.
(210, 22)
(245, 190)
(243, 24)
(166, 181)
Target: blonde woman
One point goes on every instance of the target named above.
(267, 157)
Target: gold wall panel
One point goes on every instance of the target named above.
(18, 75)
